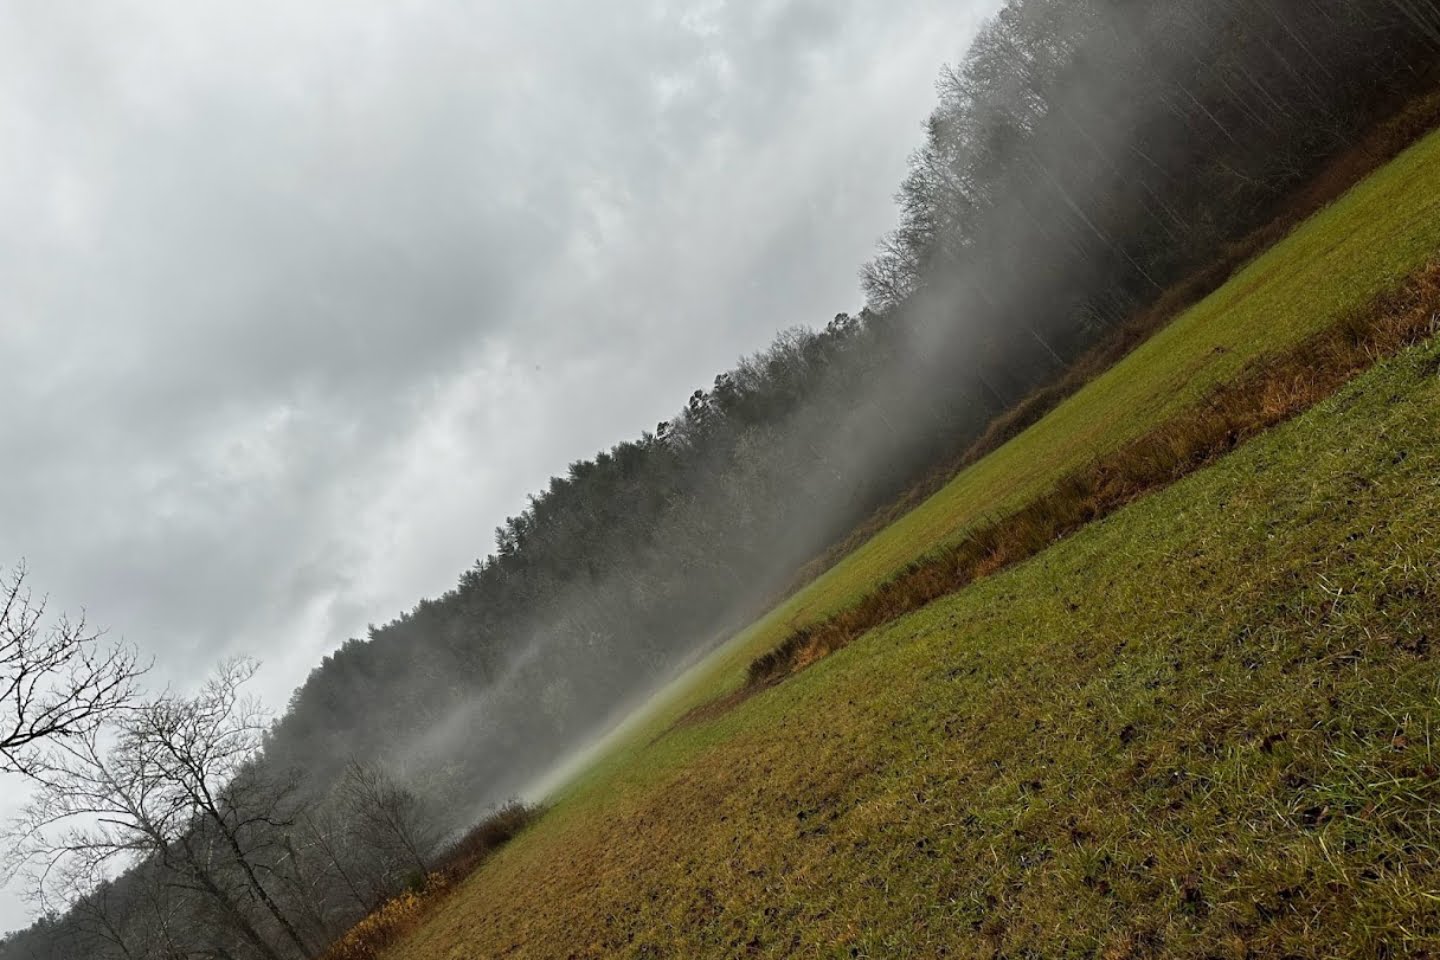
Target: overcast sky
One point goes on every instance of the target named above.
(299, 300)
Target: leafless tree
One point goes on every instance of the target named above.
(202, 752)
(386, 818)
(326, 840)
(57, 679)
(179, 788)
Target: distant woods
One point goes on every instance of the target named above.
(1085, 155)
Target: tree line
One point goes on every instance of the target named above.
(1084, 155)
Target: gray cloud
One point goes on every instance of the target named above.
(299, 300)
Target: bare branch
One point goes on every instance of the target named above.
(58, 681)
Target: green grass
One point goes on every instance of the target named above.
(1364, 244)
(1203, 726)
(1375, 236)
(1200, 727)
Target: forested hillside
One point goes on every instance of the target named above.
(1085, 157)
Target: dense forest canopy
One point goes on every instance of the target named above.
(1084, 155)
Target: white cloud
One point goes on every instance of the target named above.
(301, 299)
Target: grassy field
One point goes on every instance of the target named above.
(1379, 233)
(1207, 721)
(1201, 727)
(1365, 244)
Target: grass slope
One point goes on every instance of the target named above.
(1170, 731)
(1203, 727)
(1260, 398)
(1375, 236)
(1363, 245)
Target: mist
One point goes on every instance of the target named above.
(304, 301)
(1070, 175)
(1084, 157)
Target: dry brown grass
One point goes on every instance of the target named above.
(1269, 393)
(389, 922)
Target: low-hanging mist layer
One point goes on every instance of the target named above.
(1084, 155)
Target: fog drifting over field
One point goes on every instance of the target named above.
(288, 288)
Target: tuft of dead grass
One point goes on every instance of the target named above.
(396, 917)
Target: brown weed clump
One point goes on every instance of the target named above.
(388, 923)
(461, 858)
(1270, 392)
(396, 917)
